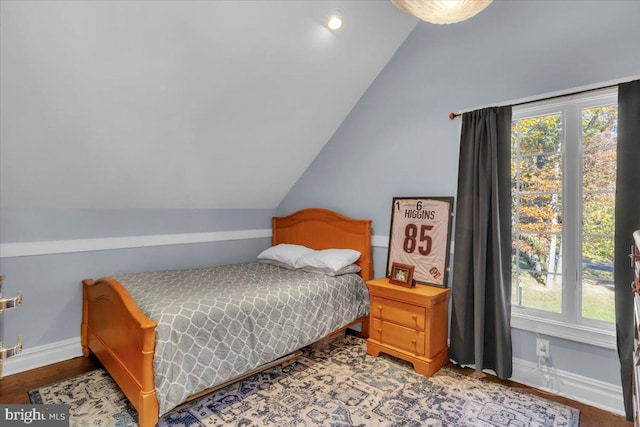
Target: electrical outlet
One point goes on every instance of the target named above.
(542, 348)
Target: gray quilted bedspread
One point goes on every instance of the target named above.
(218, 323)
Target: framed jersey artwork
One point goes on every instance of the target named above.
(420, 236)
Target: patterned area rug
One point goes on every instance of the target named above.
(338, 385)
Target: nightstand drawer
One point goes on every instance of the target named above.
(398, 336)
(408, 315)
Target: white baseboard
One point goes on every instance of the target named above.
(592, 392)
(43, 355)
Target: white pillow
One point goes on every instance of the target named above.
(333, 259)
(285, 253)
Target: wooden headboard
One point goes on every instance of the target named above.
(325, 229)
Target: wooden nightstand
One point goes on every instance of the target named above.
(409, 323)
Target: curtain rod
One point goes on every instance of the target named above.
(453, 115)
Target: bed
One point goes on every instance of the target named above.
(124, 339)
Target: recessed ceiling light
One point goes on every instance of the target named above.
(334, 22)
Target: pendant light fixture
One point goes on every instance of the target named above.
(442, 11)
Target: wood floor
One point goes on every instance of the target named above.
(14, 388)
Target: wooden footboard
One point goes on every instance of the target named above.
(123, 339)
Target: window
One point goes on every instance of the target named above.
(563, 175)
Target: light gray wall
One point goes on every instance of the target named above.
(177, 104)
(32, 225)
(51, 284)
(398, 140)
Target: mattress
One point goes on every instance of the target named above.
(218, 323)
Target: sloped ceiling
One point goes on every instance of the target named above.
(198, 104)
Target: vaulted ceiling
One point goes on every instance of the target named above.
(178, 103)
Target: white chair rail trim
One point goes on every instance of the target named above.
(21, 249)
(9, 250)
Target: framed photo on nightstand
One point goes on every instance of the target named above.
(420, 237)
(402, 274)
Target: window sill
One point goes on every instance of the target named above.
(557, 328)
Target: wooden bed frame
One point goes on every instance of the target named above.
(123, 338)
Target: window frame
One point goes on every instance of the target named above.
(569, 324)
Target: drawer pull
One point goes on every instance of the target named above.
(380, 331)
(380, 307)
(414, 317)
(413, 342)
